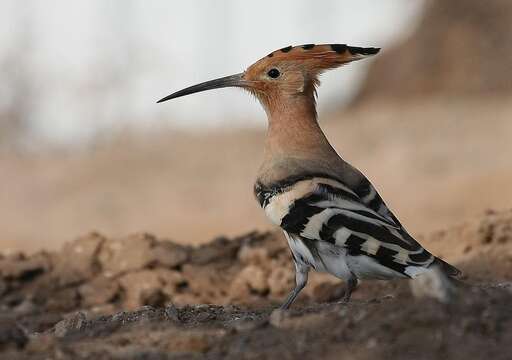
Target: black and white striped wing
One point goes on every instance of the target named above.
(326, 210)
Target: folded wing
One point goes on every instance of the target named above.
(361, 223)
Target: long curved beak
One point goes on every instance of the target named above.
(227, 81)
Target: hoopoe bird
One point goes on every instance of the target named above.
(333, 218)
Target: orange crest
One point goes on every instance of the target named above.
(296, 69)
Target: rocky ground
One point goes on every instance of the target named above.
(145, 298)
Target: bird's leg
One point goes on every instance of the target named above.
(351, 285)
(301, 279)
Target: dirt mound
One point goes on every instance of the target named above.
(459, 47)
(104, 275)
(41, 294)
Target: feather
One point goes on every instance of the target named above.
(323, 210)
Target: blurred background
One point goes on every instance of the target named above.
(83, 146)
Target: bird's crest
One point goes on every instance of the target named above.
(340, 52)
(321, 57)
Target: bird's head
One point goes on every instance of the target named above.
(288, 73)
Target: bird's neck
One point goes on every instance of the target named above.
(295, 142)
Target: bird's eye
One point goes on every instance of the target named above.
(273, 73)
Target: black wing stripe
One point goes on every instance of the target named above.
(298, 216)
(375, 231)
(300, 212)
(370, 215)
(327, 233)
(374, 203)
(334, 191)
(422, 257)
(338, 192)
(364, 189)
(384, 256)
(354, 244)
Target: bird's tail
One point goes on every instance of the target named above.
(448, 269)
